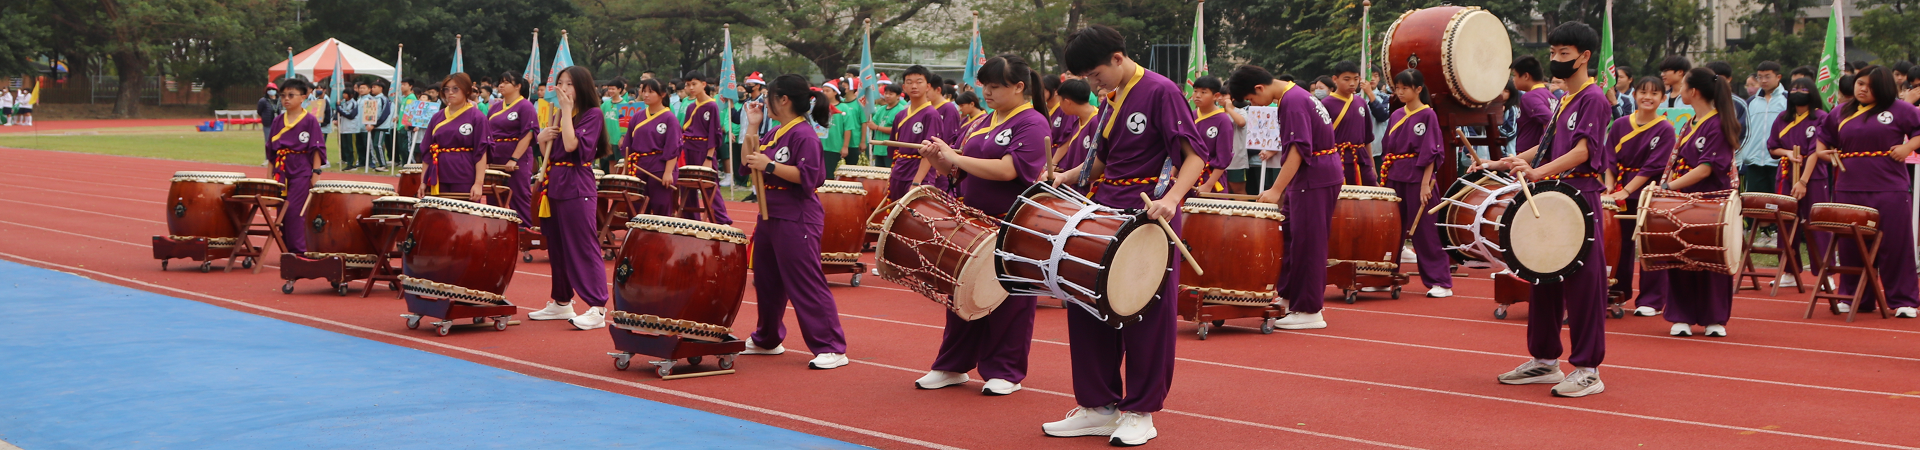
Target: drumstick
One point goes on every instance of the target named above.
(899, 144)
(655, 178)
(1182, 245)
(1527, 188)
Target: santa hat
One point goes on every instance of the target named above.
(754, 78)
(883, 80)
(834, 85)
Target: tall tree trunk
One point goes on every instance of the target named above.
(132, 66)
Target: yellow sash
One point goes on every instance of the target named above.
(998, 119)
(1120, 98)
(1404, 117)
(1843, 123)
(505, 108)
(1796, 121)
(287, 123)
(696, 108)
(1637, 128)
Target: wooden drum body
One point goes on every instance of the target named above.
(461, 251)
(410, 176)
(943, 250)
(874, 180)
(1470, 223)
(197, 207)
(697, 177)
(621, 183)
(334, 211)
(1464, 51)
(1366, 230)
(394, 206)
(1761, 205)
(845, 232)
(1058, 243)
(1689, 231)
(1843, 218)
(679, 277)
(259, 187)
(1240, 244)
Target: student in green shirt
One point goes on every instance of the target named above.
(613, 93)
(838, 131)
(855, 125)
(882, 121)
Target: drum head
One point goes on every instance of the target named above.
(1137, 268)
(1731, 236)
(1478, 52)
(979, 291)
(1547, 248)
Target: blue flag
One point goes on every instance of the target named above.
(869, 81)
(729, 88)
(458, 65)
(976, 56)
(532, 74)
(562, 59)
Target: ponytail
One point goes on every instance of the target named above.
(817, 109)
(1009, 69)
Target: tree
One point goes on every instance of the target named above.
(21, 42)
(824, 32)
(495, 34)
(1886, 28)
(138, 33)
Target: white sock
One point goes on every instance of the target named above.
(1548, 362)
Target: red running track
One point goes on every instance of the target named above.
(1408, 373)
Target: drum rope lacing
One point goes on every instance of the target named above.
(1486, 248)
(1694, 200)
(912, 277)
(648, 323)
(1068, 231)
(351, 260)
(431, 289)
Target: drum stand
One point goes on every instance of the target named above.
(335, 269)
(1789, 256)
(672, 348)
(385, 231)
(1352, 279)
(1194, 308)
(699, 202)
(448, 311)
(611, 215)
(197, 248)
(268, 209)
(1869, 244)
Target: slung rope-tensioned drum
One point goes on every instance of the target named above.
(1484, 246)
(915, 277)
(1696, 199)
(1056, 287)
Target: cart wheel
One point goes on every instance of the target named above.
(1500, 312)
(1352, 296)
(1616, 311)
(340, 288)
(1396, 292)
(526, 257)
(479, 320)
(163, 264)
(413, 322)
(1266, 327)
(1203, 331)
(856, 279)
(206, 267)
(287, 288)
(726, 362)
(622, 360)
(247, 263)
(694, 361)
(500, 323)
(1220, 323)
(446, 326)
(664, 368)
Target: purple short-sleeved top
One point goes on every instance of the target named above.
(795, 145)
(571, 175)
(1864, 138)
(454, 144)
(1141, 129)
(1024, 135)
(1216, 135)
(1799, 130)
(1307, 128)
(1063, 124)
(913, 126)
(1413, 143)
(1583, 117)
(652, 144)
(1640, 150)
(1350, 123)
(1705, 143)
(1078, 142)
(506, 126)
(1536, 109)
(292, 143)
(701, 130)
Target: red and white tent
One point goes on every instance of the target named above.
(317, 63)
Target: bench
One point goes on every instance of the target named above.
(238, 117)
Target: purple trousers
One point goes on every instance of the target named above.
(521, 182)
(573, 246)
(719, 201)
(1698, 298)
(1895, 260)
(997, 344)
(716, 202)
(1653, 284)
(1582, 300)
(786, 267)
(1303, 271)
(1144, 349)
(659, 198)
(1816, 241)
(1434, 262)
(293, 224)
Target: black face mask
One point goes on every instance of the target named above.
(1798, 99)
(1560, 69)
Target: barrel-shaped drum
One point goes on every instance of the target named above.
(943, 250)
(621, 183)
(1470, 222)
(679, 277)
(697, 177)
(410, 176)
(334, 209)
(1366, 230)
(1843, 218)
(845, 231)
(196, 204)
(874, 180)
(1110, 262)
(1690, 231)
(394, 206)
(1240, 245)
(460, 250)
(1464, 51)
(247, 188)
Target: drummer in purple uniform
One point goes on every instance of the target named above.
(698, 135)
(786, 244)
(1216, 123)
(568, 209)
(297, 146)
(511, 128)
(1700, 164)
(1413, 145)
(1642, 143)
(652, 145)
(1072, 150)
(1791, 139)
(456, 142)
(1352, 129)
(1061, 122)
(1872, 136)
(1577, 158)
(950, 118)
(1536, 103)
(1001, 157)
(1145, 143)
(919, 122)
(1306, 188)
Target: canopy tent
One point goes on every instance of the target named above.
(317, 63)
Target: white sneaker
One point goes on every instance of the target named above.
(1083, 421)
(1582, 382)
(756, 350)
(1787, 281)
(826, 361)
(1134, 429)
(1439, 292)
(1716, 331)
(1681, 330)
(1532, 372)
(1477, 264)
(1906, 313)
(1300, 321)
(595, 318)
(1000, 387)
(1843, 308)
(553, 311)
(1646, 311)
(1407, 256)
(936, 379)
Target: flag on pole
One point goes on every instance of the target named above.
(562, 59)
(1366, 39)
(729, 88)
(458, 65)
(976, 56)
(338, 85)
(1607, 77)
(289, 73)
(1197, 52)
(869, 82)
(1832, 56)
(532, 73)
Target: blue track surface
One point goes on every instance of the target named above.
(80, 369)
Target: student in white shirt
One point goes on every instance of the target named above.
(6, 107)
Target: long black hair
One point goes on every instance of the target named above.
(1880, 83)
(806, 102)
(1008, 70)
(583, 100)
(1813, 90)
(1412, 78)
(1715, 89)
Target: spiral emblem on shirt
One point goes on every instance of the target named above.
(780, 156)
(1419, 129)
(513, 116)
(1003, 138)
(919, 127)
(1810, 131)
(1700, 142)
(1137, 123)
(1213, 132)
(466, 129)
(1885, 117)
(660, 128)
(304, 136)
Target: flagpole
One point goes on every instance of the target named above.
(1366, 39)
(726, 104)
(866, 136)
(393, 137)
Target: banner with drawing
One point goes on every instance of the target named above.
(1263, 127)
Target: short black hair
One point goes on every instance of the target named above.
(1287, 77)
(1346, 67)
(1050, 83)
(1720, 68)
(1576, 34)
(891, 88)
(1802, 71)
(1324, 81)
(694, 75)
(1529, 66)
(1767, 66)
(1913, 75)
(1244, 79)
(935, 80)
(1901, 68)
(852, 72)
(296, 84)
(922, 71)
(1675, 63)
(652, 84)
(1092, 47)
(967, 98)
(410, 82)
(618, 82)
(1210, 83)
(1076, 91)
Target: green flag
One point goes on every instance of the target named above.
(1607, 77)
(1197, 53)
(1831, 56)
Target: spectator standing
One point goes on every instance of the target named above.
(353, 128)
(1758, 169)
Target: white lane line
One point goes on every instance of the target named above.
(499, 357)
(117, 216)
(1637, 335)
(109, 197)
